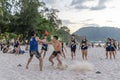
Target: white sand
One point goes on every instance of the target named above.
(76, 69)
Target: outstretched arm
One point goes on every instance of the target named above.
(39, 40)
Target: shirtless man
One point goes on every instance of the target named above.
(34, 50)
(57, 50)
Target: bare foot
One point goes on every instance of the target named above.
(52, 64)
(59, 64)
(26, 67)
(40, 69)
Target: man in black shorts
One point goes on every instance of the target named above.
(57, 50)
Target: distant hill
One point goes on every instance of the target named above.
(99, 33)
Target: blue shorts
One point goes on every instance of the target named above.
(112, 48)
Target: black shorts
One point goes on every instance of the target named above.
(112, 49)
(55, 53)
(84, 47)
(73, 50)
(44, 48)
(36, 53)
(107, 48)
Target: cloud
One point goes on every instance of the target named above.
(49, 1)
(101, 5)
(88, 20)
(109, 21)
(66, 22)
(89, 4)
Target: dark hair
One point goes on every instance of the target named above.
(32, 33)
(109, 39)
(73, 35)
(8, 46)
(56, 37)
(45, 35)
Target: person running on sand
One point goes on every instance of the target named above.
(73, 45)
(44, 46)
(107, 46)
(57, 50)
(84, 47)
(34, 40)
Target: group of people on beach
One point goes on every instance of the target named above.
(34, 42)
(58, 49)
(5, 47)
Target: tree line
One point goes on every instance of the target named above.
(19, 17)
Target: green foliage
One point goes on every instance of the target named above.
(29, 15)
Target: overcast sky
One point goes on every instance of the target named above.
(83, 13)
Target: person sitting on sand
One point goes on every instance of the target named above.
(17, 44)
(57, 51)
(6, 49)
(34, 40)
(84, 47)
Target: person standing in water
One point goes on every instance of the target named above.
(73, 45)
(34, 40)
(84, 47)
(44, 46)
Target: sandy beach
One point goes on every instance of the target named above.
(12, 67)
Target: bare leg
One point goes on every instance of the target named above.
(41, 51)
(72, 55)
(82, 54)
(110, 54)
(51, 59)
(86, 54)
(17, 51)
(40, 63)
(106, 54)
(64, 55)
(114, 54)
(29, 60)
(58, 59)
(44, 54)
